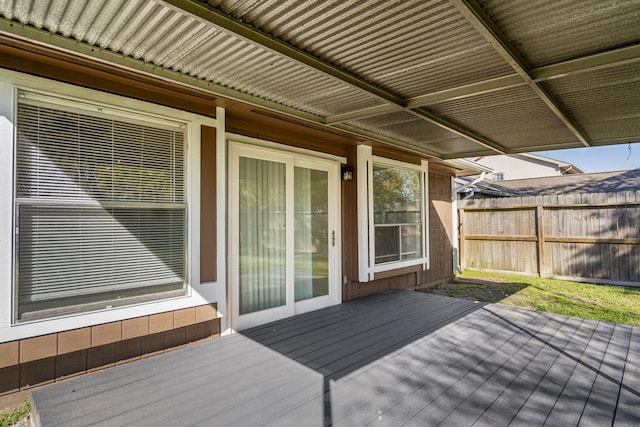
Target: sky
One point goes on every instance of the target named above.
(598, 159)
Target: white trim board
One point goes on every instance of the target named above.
(232, 137)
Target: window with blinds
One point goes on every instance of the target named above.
(100, 208)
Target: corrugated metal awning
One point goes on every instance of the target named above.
(446, 78)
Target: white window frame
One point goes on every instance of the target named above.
(199, 293)
(88, 204)
(367, 267)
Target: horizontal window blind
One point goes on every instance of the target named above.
(101, 211)
(67, 155)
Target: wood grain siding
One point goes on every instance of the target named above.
(350, 224)
(257, 123)
(208, 205)
(440, 231)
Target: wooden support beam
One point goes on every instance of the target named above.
(502, 238)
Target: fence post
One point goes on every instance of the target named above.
(461, 241)
(542, 263)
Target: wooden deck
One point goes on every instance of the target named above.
(401, 358)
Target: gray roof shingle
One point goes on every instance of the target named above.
(604, 182)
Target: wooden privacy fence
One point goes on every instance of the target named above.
(581, 237)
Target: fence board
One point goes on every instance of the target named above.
(597, 269)
(580, 236)
(623, 232)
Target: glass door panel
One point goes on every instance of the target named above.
(262, 237)
(283, 227)
(311, 233)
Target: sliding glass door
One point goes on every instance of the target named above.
(284, 225)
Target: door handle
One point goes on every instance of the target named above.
(333, 237)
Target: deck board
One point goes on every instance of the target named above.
(484, 395)
(360, 388)
(400, 358)
(601, 404)
(453, 381)
(627, 410)
(552, 375)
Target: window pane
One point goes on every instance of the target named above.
(263, 246)
(101, 211)
(397, 213)
(411, 241)
(387, 244)
(69, 155)
(311, 206)
(74, 259)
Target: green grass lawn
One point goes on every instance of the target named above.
(9, 419)
(599, 302)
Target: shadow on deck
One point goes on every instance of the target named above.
(391, 359)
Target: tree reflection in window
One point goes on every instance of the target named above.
(397, 213)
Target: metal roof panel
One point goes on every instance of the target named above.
(510, 117)
(397, 44)
(173, 39)
(414, 133)
(604, 102)
(548, 31)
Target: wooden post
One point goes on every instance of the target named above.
(542, 269)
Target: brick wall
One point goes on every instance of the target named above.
(47, 358)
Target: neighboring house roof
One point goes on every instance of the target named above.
(564, 167)
(448, 79)
(604, 182)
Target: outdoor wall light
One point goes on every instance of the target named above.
(347, 173)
